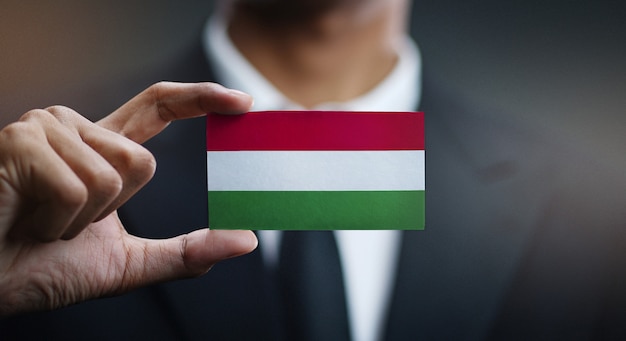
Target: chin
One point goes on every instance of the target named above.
(296, 11)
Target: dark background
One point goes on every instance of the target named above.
(559, 64)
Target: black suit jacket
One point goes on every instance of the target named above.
(523, 240)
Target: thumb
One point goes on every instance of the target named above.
(185, 256)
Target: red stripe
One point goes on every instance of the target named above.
(316, 130)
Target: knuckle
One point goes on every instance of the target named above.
(58, 110)
(20, 137)
(73, 196)
(137, 162)
(159, 85)
(144, 165)
(51, 115)
(62, 113)
(16, 129)
(36, 115)
(156, 92)
(106, 183)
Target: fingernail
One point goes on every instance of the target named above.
(238, 93)
(242, 95)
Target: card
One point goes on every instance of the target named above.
(316, 170)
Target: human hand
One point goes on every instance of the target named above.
(62, 179)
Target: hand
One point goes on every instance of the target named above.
(62, 179)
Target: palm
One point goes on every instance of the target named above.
(93, 264)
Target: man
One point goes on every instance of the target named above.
(511, 248)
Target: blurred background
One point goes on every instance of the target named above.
(559, 64)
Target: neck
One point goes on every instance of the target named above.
(333, 56)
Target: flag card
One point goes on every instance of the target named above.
(316, 170)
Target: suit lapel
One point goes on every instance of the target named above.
(452, 276)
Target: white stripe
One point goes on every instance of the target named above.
(315, 170)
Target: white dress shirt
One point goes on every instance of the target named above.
(368, 258)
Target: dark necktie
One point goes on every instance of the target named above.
(311, 286)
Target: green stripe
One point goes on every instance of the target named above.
(317, 210)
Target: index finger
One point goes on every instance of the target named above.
(152, 110)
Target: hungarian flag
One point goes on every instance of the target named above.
(316, 170)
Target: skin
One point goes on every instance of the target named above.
(319, 51)
(62, 179)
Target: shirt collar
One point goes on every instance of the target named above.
(399, 91)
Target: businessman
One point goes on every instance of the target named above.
(523, 235)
